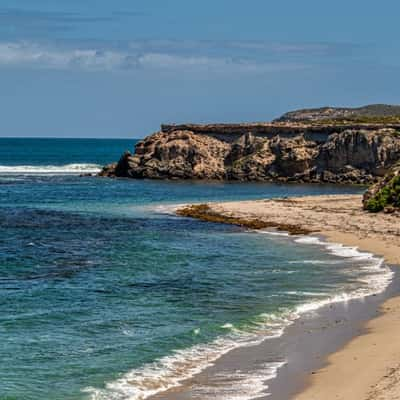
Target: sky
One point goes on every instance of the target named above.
(118, 69)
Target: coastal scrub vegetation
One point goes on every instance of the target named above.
(357, 120)
(370, 114)
(387, 196)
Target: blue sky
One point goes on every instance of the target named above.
(100, 68)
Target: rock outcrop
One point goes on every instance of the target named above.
(358, 155)
(176, 155)
(249, 158)
(353, 155)
(295, 157)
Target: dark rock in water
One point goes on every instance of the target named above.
(120, 169)
(108, 170)
(179, 154)
(123, 166)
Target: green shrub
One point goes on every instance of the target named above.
(389, 195)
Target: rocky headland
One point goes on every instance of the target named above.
(332, 145)
(351, 156)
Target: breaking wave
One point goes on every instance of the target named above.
(67, 169)
(170, 371)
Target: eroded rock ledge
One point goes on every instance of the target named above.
(335, 155)
(318, 130)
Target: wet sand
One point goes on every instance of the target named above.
(303, 346)
(368, 366)
(339, 218)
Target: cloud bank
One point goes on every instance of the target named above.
(246, 56)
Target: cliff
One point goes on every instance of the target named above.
(317, 130)
(336, 145)
(348, 156)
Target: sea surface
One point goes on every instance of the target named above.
(105, 294)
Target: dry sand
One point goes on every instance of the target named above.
(367, 368)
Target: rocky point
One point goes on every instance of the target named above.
(354, 155)
(336, 145)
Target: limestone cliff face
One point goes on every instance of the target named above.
(294, 157)
(373, 151)
(249, 158)
(179, 155)
(358, 156)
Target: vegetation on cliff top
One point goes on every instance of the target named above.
(385, 194)
(371, 114)
(358, 120)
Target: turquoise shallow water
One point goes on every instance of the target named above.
(106, 295)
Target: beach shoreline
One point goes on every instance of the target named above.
(365, 365)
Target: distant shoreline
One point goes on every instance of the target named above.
(367, 367)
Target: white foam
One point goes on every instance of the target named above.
(170, 371)
(169, 209)
(273, 233)
(310, 240)
(336, 248)
(67, 169)
(315, 262)
(243, 384)
(164, 374)
(377, 275)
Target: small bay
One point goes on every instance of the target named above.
(106, 294)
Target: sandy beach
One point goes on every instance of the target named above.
(368, 367)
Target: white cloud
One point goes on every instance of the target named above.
(30, 54)
(160, 55)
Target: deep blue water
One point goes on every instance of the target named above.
(100, 285)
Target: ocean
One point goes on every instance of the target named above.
(106, 294)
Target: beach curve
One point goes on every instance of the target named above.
(369, 362)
